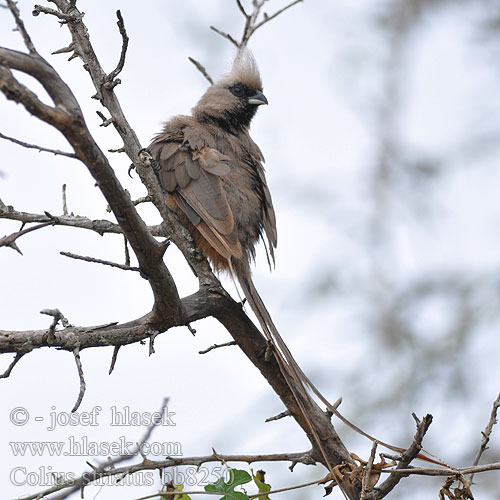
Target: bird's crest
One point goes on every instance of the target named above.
(244, 71)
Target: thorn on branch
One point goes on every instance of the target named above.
(78, 361)
(279, 416)
(64, 50)
(113, 359)
(64, 200)
(202, 70)
(217, 346)
(16, 359)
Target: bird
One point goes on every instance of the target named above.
(213, 176)
(212, 173)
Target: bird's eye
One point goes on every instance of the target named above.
(237, 90)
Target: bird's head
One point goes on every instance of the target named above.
(233, 100)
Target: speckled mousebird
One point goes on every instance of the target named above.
(212, 172)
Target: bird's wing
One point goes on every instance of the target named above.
(192, 177)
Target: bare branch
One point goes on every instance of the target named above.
(34, 146)
(216, 346)
(125, 40)
(78, 361)
(202, 70)
(100, 261)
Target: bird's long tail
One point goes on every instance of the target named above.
(297, 380)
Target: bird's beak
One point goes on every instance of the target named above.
(257, 99)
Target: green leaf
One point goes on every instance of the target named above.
(237, 477)
(259, 480)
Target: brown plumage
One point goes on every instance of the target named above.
(213, 174)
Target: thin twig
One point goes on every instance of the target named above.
(227, 36)
(76, 353)
(486, 433)
(242, 9)
(268, 18)
(125, 40)
(20, 27)
(10, 241)
(202, 70)
(16, 359)
(216, 346)
(100, 261)
(34, 146)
